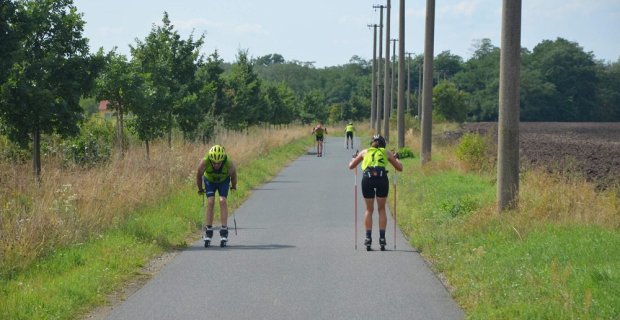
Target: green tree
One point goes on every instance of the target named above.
(279, 102)
(50, 71)
(480, 79)
(609, 91)
(573, 73)
(447, 65)
(243, 94)
(119, 84)
(449, 102)
(150, 117)
(172, 64)
(313, 107)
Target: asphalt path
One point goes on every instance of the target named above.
(294, 257)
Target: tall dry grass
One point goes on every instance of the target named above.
(69, 206)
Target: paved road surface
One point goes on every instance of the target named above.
(294, 258)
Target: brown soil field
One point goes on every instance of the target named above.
(589, 149)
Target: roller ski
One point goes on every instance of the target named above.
(382, 243)
(367, 243)
(207, 237)
(223, 237)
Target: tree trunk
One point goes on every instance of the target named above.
(36, 153)
(148, 156)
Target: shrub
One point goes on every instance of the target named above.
(472, 149)
(405, 152)
(93, 146)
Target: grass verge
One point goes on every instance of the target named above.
(555, 257)
(68, 282)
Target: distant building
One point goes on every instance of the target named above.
(104, 112)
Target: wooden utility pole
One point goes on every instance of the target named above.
(509, 89)
(401, 74)
(387, 104)
(373, 86)
(427, 88)
(379, 91)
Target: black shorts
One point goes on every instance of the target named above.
(350, 135)
(319, 138)
(378, 186)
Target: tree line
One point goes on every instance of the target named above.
(47, 71)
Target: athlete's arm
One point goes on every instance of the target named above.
(395, 162)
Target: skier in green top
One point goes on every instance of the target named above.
(375, 183)
(319, 131)
(219, 174)
(349, 132)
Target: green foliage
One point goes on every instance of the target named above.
(473, 150)
(243, 93)
(169, 65)
(449, 102)
(405, 152)
(459, 207)
(93, 146)
(50, 70)
(572, 73)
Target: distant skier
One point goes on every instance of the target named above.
(319, 132)
(375, 184)
(349, 132)
(219, 174)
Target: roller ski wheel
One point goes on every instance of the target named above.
(367, 243)
(382, 243)
(207, 242)
(223, 242)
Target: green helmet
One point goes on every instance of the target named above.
(217, 153)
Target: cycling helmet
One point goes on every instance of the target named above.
(217, 153)
(379, 139)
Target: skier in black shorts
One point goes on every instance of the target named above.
(375, 184)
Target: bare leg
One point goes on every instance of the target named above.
(209, 211)
(370, 207)
(382, 215)
(224, 211)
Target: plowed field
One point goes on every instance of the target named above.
(589, 149)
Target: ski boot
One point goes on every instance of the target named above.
(223, 236)
(382, 243)
(367, 243)
(208, 236)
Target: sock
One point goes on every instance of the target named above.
(368, 234)
(381, 234)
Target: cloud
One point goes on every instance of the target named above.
(195, 23)
(250, 29)
(460, 8)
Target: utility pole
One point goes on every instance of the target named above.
(373, 86)
(420, 70)
(401, 75)
(408, 79)
(508, 122)
(387, 104)
(392, 84)
(379, 91)
(427, 91)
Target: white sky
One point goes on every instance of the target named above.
(330, 32)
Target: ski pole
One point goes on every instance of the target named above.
(395, 210)
(355, 206)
